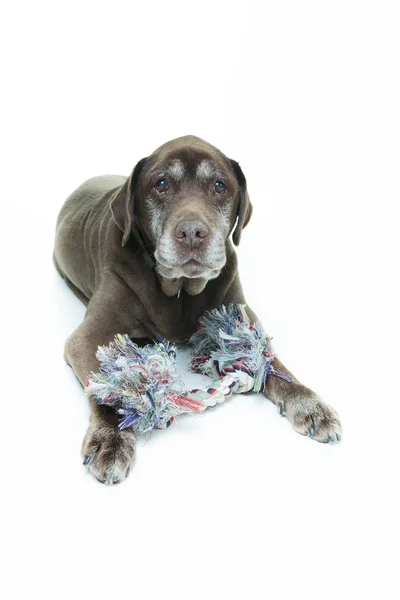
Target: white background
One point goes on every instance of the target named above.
(231, 504)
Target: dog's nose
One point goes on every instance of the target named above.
(191, 233)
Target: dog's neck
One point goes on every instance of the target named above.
(173, 287)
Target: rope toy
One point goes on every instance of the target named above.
(139, 383)
(234, 353)
(142, 384)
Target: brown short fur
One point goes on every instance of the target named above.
(112, 231)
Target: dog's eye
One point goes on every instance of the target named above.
(219, 186)
(161, 185)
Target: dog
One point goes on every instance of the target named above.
(149, 254)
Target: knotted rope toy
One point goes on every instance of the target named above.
(236, 354)
(142, 384)
(139, 384)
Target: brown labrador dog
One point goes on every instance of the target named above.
(148, 254)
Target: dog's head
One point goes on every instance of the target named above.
(186, 198)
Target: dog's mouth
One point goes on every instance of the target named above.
(177, 261)
(194, 267)
(191, 268)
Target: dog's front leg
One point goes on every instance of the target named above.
(303, 407)
(308, 414)
(106, 451)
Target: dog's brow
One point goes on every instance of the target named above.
(205, 169)
(176, 169)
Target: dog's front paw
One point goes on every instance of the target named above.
(108, 452)
(310, 416)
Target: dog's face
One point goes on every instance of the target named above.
(186, 198)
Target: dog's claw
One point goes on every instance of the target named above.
(281, 410)
(87, 460)
(338, 437)
(128, 471)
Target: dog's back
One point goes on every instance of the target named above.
(78, 227)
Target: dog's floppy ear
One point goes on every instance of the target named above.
(122, 204)
(245, 207)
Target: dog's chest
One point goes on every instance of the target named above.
(176, 318)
